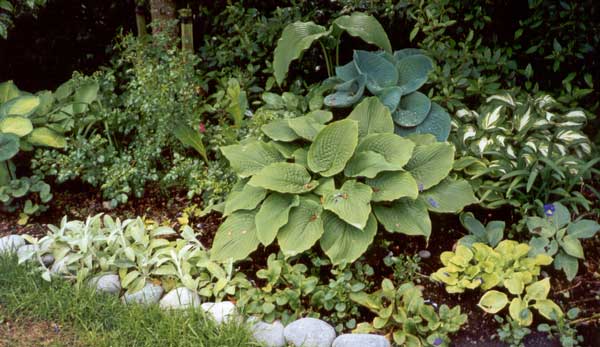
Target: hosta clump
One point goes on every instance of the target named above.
(394, 79)
(559, 237)
(335, 182)
(403, 312)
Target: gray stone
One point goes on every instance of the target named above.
(150, 294)
(180, 298)
(110, 284)
(270, 335)
(47, 259)
(309, 332)
(425, 254)
(220, 311)
(10, 243)
(361, 340)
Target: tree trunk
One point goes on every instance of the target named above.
(162, 12)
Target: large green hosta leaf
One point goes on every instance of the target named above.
(296, 38)
(437, 123)
(344, 243)
(304, 228)
(352, 203)
(246, 198)
(395, 149)
(413, 71)
(333, 147)
(430, 164)
(449, 196)
(9, 146)
(368, 164)
(284, 178)
(372, 117)
(248, 159)
(8, 91)
(306, 127)
(236, 237)
(273, 214)
(17, 125)
(366, 27)
(280, 130)
(46, 137)
(405, 216)
(390, 186)
(20, 106)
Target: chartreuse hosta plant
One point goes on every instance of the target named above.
(27, 121)
(139, 252)
(525, 151)
(394, 79)
(334, 182)
(559, 237)
(403, 313)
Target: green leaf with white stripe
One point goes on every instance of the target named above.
(236, 237)
(284, 178)
(304, 228)
(333, 147)
(390, 186)
(492, 119)
(344, 243)
(352, 203)
(274, 214)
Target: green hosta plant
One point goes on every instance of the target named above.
(559, 237)
(394, 79)
(335, 182)
(507, 265)
(490, 234)
(403, 313)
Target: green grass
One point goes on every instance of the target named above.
(102, 320)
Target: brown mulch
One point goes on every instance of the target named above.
(30, 333)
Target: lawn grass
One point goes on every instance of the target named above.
(102, 320)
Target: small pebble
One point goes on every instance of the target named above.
(424, 254)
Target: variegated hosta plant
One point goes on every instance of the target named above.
(524, 150)
(335, 182)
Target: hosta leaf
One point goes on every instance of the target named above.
(548, 308)
(538, 290)
(326, 185)
(8, 91)
(413, 110)
(380, 73)
(405, 52)
(46, 137)
(284, 178)
(304, 228)
(493, 301)
(280, 130)
(286, 149)
(352, 203)
(21, 106)
(347, 72)
(246, 198)
(9, 146)
(395, 149)
(572, 246)
(17, 125)
(306, 127)
(368, 164)
(84, 96)
(519, 311)
(405, 216)
(365, 27)
(390, 186)
(449, 196)
(413, 71)
(390, 97)
(347, 93)
(236, 237)
(273, 214)
(294, 40)
(372, 117)
(430, 164)
(248, 159)
(333, 147)
(343, 242)
(300, 157)
(437, 123)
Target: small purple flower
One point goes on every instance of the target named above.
(421, 187)
(438, 341)
(549, 210)
(432, 202)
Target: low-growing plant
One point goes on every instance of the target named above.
(511, 331)
(563, 330)
(490, 234)
(306, 185)
(406, 268)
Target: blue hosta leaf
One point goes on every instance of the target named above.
(347, 93)
(380, 73)
(403, 53)
(437, 123)
(347, 72)
(390, 97)
(413, 71)
(413, 110)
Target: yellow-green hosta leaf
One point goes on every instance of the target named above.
(520, 312)
(303, 229)
(280, 130)
(344, 243)
(246, 198)
(17, 125)
(372, 117)
(368, 164)
(395, 149)
(326, 186)
(430, 164)
(365, 27)
(46, 137)
(284, 178)
(8, 91)
(273, 214)
(306, 127)
(538, 290)
(351, 203)
(249, 158)
(21, 106)
(333, 147)
(236, 237)
(390, 186)
(548, 309)
(449, 196)
(493, 301)
(514, 284)
(405, 216)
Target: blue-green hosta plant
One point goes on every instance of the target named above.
(490, 234)
(335, 182)
(403, 312)
(395, 80)
(525, 151)
(556, 235)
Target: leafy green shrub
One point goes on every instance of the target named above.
(305, 185)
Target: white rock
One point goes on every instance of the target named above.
(10, 243)
(26, 250)
(309, 332)
(270, 335)
(150, 294)
(220, 311)
(361, 340)
(110, 283)
(180, 298)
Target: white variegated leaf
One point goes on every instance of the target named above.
(543, 148)
(570, 136)
(550, 116)
(489, 120)
(483, 142)
(500, 139)
(568, 124)
(585, 147)
(524, 119)
(469, 133)
(561, 148)
(545, 101)
(576, 116)
(504, 98)
(531, 145)
(540, 123)
(511, 152)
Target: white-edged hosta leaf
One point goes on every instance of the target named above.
(273, 214)
(246, 198)
(284, 178)
(390, 186)
(449, 196)
(344, 243)
(333, 147)
(249, 158)
(23, 105)
(405, 216)
(430, 164)
(303, 229)
(236, 237)
(352, 203)
(372, 117)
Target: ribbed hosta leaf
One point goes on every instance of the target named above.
(17, 125)
(366, 27)
(380, 73)
(21, 106)
(333, 147)
(449, 196)
(304, 228)
(236, 237)
(390, 97)
(284, 178)
(395, 149)
(352, 203)
(413, 110)
(368, 164)
(46, 137)
(246, 198)
(250, 158)
(413, 71)
(296, 38)
(306, 127)
(9, 146)
(273, 214)
(405, 216)
(430, 164)
(280, 130)
(372, 117)
(390, 186)
(326, 186)
(344, 243)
